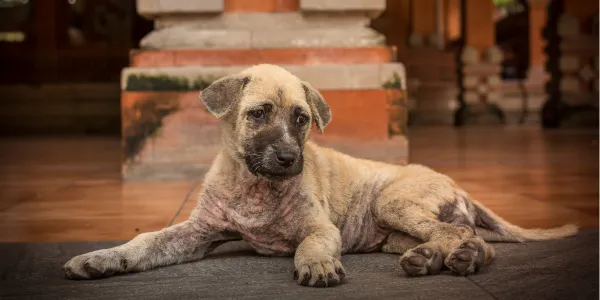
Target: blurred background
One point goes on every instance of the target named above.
(82, 45)
(103, 134)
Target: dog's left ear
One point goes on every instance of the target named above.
(222, 95)
(318, 107)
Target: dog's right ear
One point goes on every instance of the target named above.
(222, 95)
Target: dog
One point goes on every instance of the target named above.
(286, 196)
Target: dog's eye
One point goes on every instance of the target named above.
(258, 113)
(302, 119)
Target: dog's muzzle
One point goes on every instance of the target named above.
(277, 163)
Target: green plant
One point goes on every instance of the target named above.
(142, 82)
(503, 3)
(162, 82)
(393, 83)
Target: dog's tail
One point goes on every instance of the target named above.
(492, 228)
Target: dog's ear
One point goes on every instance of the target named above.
(318, 107)
(222, 95)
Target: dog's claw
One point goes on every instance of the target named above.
(323, 273)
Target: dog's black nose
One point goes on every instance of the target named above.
(285, 158)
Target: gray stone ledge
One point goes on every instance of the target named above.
(153, 8)
(333, 5)
(192, 38)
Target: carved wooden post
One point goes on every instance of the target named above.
(480, 64)
(572, 32)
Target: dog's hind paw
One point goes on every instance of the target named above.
(421, 260)
(466, 259)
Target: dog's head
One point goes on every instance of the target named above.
(266, 114)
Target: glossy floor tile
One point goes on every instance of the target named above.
(69, 189)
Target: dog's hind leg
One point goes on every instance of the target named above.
(399, 242)
(456, 246)
(449, 241)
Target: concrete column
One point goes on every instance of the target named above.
(481, 85)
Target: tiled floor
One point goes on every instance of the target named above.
(69, 189)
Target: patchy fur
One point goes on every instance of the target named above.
(284, 195)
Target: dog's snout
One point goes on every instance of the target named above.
(285, 158)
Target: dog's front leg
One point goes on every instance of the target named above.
(176, 244)
(317, 257)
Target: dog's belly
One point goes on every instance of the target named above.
(360, 233)
(363, 239)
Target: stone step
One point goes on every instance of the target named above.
(184, 37)
(171, 135)
(322, 77)
(232, 57)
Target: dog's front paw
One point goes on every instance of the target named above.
(319, 272)
(422, 260)
(97, 264)
(466, 259)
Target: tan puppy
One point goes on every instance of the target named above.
(284, 195)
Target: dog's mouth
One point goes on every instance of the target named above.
(272, 171)
(276, 177)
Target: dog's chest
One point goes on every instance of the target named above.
(265, 218)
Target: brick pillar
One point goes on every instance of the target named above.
(572, 64)
(328, 43)
(480, 65)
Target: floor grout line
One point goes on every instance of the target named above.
(187, 196)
